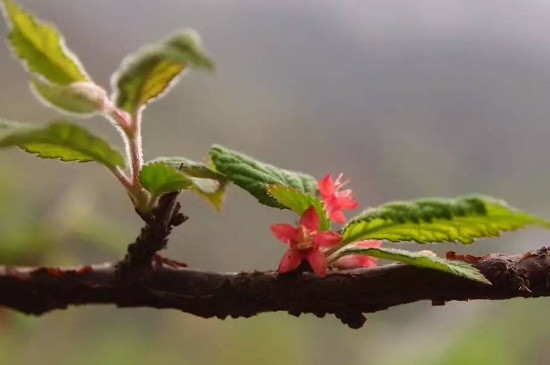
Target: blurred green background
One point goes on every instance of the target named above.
(429, 98)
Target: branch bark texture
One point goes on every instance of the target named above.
(346, 294)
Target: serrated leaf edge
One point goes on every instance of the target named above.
(62, 44)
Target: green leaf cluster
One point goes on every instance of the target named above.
(166, 174)
(159, 178)
(425, 220)
(57, 75)
(58, 78)
(191, 168)
(208, 183)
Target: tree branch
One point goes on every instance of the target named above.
(144, 279)
(347, 294)
(154, 236)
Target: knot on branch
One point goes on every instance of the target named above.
(354, 320)
(153, 236)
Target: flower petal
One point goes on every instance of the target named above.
(338, 183)
(368, 243)
(310, 219)
(317, 262)
(345, 202)
(368, 261)
(354, 261)
(326, 187)
(290, 261)
(327, 239)
(284, 232)
(348, 262)
(336, 215)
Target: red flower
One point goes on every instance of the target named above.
(353, 261)
(305, 243)
(335, 198)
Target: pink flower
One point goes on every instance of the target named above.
(305, 243)
(353, 261)
(335, 198)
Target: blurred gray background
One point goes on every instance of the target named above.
(408, 99)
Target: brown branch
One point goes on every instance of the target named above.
(154, 236)
(144, 279)
(347, 294)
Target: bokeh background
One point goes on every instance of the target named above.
(409, 99)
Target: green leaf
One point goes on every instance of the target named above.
(159, 178)
(64, 141)
(41, 47)
(150, 73)
(298, 202)
(207, 182)
(421, 259)
(191, 168)
(207, 186)
(437, 220)
(255, 177)
(78, 97)
(214, 197)
(7, 126)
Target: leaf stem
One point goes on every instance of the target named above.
(130, 127)
(123, 122)
(121, 118)
(124, 180)
(136, 151)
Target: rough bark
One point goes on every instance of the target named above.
(346, 294)
(145, 279)
(154, 235)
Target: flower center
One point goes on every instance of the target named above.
(305, 239)
(338, 185)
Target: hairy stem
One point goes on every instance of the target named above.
(126, 125)
(136, 151)
(124, 180)
(130, 131)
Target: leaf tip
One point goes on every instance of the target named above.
(188, 41)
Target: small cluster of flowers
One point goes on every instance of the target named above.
(308, 243)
